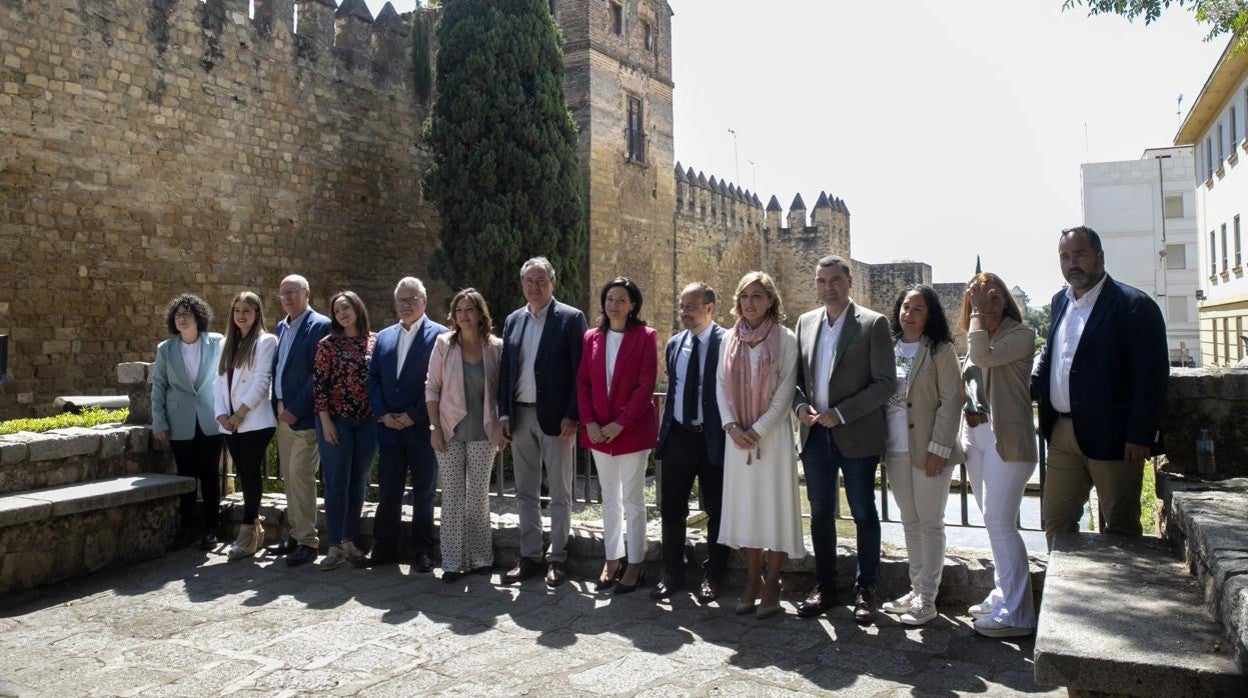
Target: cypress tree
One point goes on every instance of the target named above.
(505, 177)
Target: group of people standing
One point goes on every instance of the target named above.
(863, 388)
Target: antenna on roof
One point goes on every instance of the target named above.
(1178, 112)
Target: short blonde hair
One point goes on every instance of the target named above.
(763, 279)
(1011, 305)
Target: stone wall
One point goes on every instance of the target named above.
(151, 148)
(64, 456)
(1212, 398)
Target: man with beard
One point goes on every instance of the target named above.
(1101, 385)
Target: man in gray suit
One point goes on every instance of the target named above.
(845, 374)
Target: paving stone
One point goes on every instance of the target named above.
(170, 655)
(209, 682)
(416, 682)
(866, 660)
(299, 680)
(624, 675)
(298, 651)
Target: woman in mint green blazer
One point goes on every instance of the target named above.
(182, 410)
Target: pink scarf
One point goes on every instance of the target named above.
(749, 393)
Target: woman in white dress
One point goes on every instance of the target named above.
(757, 374)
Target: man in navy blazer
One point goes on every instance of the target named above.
(396, 390)
(297, 454)
(538, 411)
(691, 443)
(1101, 386)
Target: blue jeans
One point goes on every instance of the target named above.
(411, 454)
(821, 460)
(344, 473)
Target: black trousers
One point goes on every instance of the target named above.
(248, 450)
(684, 459)
(198, 457)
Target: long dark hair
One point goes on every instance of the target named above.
(936, 329)
(240, 351)
(361, 314)
(634, 295)
(485, 326)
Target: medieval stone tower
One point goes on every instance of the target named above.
(618, 62)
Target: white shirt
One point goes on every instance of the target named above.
(406, 337)
(190, 359)
(825, 357)
(283, 349)
(682, 369)
(534, 323)
(896, 412)
(614, 339)
(1066, 342)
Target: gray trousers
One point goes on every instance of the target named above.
(530, 448)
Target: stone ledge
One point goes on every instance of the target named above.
(51, 502)
(105, 440)
(1123, 616)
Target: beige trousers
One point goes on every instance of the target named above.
(299, 460)
(1070, 476)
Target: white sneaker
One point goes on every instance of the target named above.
(920, 612)
(333, 559)
(990, 628)
(901, 605)
(246, 543)
(980, 610)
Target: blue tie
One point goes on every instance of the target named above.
(693, 375)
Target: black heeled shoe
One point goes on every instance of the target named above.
(605, 583)
(622, 588)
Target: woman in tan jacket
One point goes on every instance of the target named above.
(999, 436)
(922, 445)
(460, 392)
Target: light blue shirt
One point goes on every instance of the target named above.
(283, 349)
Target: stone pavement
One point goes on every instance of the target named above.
(174, 626)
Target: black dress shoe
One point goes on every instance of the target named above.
(556, 575)
(864, 605)
(374, 559)
(665, 588)
(303, 554)
(622, 588)
(817, 603)
(286, 547)
(208, 542)
(708, 591)
(183, 540)
(424, 564)
(523, 570)
(451, 577)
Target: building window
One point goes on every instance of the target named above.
(1221, 146)
(1176, 256)
(1174, 206)
(634, 134)
(647, 36)
(1213, 252)
(1234, 124)
(1239, 248)
(617, 18)
(1176, 309)
(1208, 157)
(1224, 255)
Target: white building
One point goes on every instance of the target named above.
(1216, 126)
(1145, 213)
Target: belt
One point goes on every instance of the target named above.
(696, 428)
(525, 404)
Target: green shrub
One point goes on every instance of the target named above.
(87, 418)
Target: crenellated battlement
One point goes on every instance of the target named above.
(715, 202)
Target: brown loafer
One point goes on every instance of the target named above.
(555, 575)
(816, 604)
(523, 570)
(864, 606)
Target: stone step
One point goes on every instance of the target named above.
(73, 455)
(1123, 616)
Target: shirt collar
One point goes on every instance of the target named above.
(292, 321)
(541, 314)
(840, 319)
(1089, 299)
(415, 326)
(705, 335)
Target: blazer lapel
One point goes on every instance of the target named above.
(710, 363)
(548, 330)
(849, 328)
(920, 355)
(204, 378)
(411, 349)
(1108, 297)
(812, 340)
(630, 338)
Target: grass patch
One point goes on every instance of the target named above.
(87, 418)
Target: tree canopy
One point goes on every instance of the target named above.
(1220, 16)
(505, 176)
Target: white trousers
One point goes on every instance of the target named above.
(922, 502)
(998, 486)
(623, 482)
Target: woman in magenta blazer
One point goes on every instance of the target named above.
(615, 385)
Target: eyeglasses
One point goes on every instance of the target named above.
(289, 294)
(408, 302)
(689, 306)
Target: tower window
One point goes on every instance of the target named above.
(617, 18)
(647, 36)
(634, 133)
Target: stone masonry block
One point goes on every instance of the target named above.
(12, 451)
(112, 442)
(104, 494)
(16, 510)
(55, 446)
(133, 372)
(138, 437)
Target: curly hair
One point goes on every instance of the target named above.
(936, 328)
(198, 306)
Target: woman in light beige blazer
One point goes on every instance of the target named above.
(922, 420)
(460, 395)
(999, 436)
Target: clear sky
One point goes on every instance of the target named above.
(949, 128)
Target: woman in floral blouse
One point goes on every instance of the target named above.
(346, 435)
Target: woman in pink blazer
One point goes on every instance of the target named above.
(460, 395)
(615, 385)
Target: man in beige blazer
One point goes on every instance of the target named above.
(845, 374)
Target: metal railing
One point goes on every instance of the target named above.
(585, 491)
